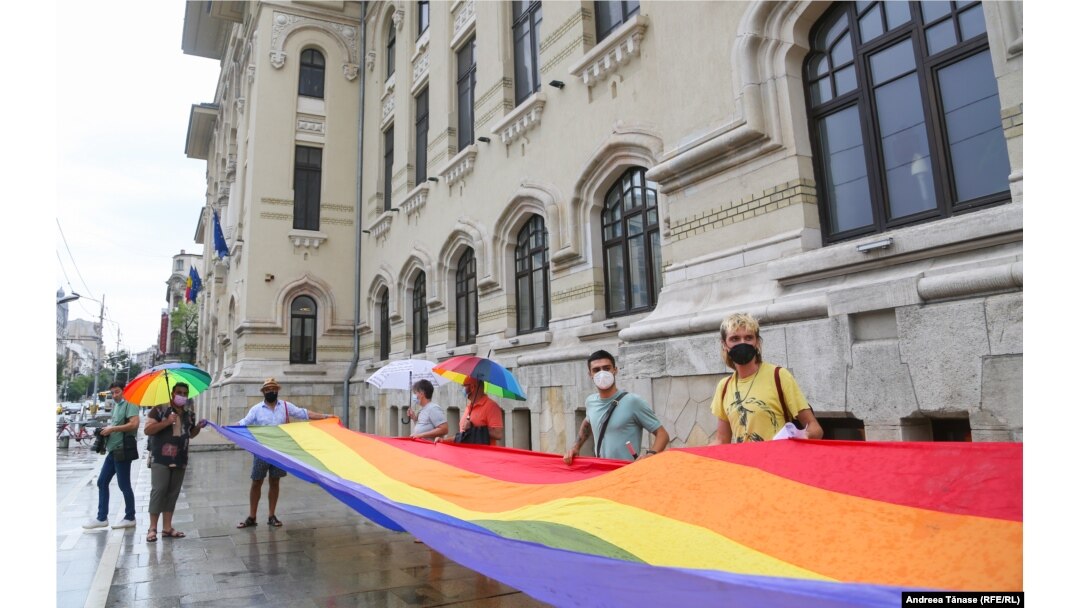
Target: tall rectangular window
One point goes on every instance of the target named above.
(466, 91)
(610, 14)
(307, 188)
(388, 166)
(526, 29)
(391, 54)
(423, 17)
(421, 136)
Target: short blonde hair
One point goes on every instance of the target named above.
(734, 322)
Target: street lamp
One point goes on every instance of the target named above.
(68, 298)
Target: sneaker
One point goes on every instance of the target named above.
(95, 523)
(124, 523)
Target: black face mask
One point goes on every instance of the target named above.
(271, 397)
(742, 354)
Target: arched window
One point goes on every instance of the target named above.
(302, 330)
(391, 43)
(631, 236)
(466, 298)
(904, 115)
(531, 272)
(312, 73)
(419, 314)
(384, 325)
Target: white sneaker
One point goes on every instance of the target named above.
(95, 523)
(124, 523)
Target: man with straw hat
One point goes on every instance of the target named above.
(271, 411)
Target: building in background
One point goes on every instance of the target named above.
(542, 180)
(175, 294)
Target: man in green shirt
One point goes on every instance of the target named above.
(125, 419)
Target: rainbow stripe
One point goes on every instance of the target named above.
(786, 523)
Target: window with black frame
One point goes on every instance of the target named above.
(526, 30)
(391, 50)
(531, 274)
(312, 73)
(302, 316)
(466, 298)
(630, 223)
(307, 188)
(384, 325)
(611, 14)
(423, 17)
(421, 136)
(419, 314)
(466, 91)
(388, 166)
(904, 115)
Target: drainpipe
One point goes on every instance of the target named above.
(359, 209)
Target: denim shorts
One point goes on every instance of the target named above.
(260, 467)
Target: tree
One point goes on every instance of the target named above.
(185, 319)
(121, 367)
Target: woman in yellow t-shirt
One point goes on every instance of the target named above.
(747, 404)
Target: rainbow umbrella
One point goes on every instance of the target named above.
(497, 380)
(154, 386)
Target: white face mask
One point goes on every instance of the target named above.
(415, 399)
(603, 380)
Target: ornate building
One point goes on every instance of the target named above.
(541, 180)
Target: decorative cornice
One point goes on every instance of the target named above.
(614, 51)
(311, 126)
(523, 118)
(382, 225)
(415, 200)
(307, 238)
(462, 17)
(459, 166)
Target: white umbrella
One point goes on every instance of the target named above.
(403, 373)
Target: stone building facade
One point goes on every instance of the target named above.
(542, 180)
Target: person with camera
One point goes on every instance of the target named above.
(172, 426)
(124, 422)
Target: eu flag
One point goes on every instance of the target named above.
(195, 284)
(220, 248)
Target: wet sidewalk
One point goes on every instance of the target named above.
(325, 555)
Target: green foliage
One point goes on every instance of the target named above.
(185, 319)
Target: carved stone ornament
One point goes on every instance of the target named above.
(345, 35)
(399, 19)
(251, 73)
(463, 15)
(351, 70)
(240, 101)
(370, 60)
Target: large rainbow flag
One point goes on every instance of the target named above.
(784, 523)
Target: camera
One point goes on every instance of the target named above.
(99, 441)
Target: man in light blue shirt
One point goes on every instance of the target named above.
(271, 411)
(616, 417)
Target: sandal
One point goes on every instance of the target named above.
(151, 536)
(274, 521)
(173, 533)
(248, 523)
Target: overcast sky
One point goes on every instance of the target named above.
(127, 197)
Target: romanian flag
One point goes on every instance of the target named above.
(783, 523)
(187, 288)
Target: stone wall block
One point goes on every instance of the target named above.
(943, 345)
(883, 432)
(643, 360)
(694, 355)
(554, 421)
(700, 437)
(1003, 390)
(1005, 320)
(879, 385)
(875, 296)
(818, 355)
(774, 345)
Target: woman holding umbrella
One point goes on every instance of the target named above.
(172, 426)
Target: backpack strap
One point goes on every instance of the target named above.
(780, 393)
(605, 420)
(723, 389)
(286, 411)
